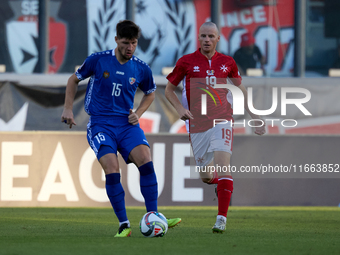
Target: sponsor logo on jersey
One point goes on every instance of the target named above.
(106, 74)
(210, 72)
(119, 72)
(196, 69)
(132, 80)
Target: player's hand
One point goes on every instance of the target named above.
(133, 118)
(67, 117)
(261, 127)
(185, 114)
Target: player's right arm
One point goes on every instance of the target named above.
(71, 90)
(84, 71)
(174, 78)
(170, 94)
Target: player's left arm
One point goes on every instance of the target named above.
(143, 106)
(148, 86)
(260, 129)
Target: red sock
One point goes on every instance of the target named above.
(224, 190)
(214, 180)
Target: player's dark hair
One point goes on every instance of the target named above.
(127, 29)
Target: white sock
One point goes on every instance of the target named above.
(127, 221)
(221, 217)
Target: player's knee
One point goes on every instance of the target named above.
(140, 155)
(109, 163)
(143, 159)
(206, 180)
(111, 169)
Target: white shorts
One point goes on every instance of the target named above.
(218, 138)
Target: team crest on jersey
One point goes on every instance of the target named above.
(132, 80)
(224, 68)
(106, 74)
(210, 72)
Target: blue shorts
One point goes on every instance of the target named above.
(114, 132)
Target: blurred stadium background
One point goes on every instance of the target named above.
(43, 164)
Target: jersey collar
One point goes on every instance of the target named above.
(214, 56)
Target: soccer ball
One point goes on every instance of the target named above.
(153, 224)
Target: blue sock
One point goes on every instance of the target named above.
(148, 186)
(116, 194)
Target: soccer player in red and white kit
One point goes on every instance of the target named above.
(211, 144)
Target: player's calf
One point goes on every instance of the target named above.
(212, 179)
(149, 186)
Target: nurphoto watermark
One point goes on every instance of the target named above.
(238, 105)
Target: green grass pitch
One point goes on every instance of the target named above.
(250, 230)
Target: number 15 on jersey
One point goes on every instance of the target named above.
(116, 89)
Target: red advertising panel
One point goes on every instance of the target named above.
(272, 26)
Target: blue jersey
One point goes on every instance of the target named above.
(112, 86)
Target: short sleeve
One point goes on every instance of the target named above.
(178, 73)
(147, 84)
(87, 68)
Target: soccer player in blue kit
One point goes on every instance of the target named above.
(113, 126)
